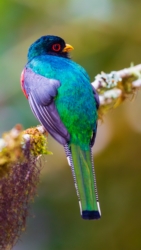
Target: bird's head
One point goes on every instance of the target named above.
(49, 45)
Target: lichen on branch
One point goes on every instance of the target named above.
(117, 86)
(20, 168)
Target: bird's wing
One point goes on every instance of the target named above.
(96, 97)
(41, 92)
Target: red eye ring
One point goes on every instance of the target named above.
(56, 47)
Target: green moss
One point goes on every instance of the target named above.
(38, 142)
(13, 151)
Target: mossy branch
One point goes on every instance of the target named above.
(20, 167)
(117, 86)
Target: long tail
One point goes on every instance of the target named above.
(81, 163)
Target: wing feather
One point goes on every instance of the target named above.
(96, 97)
(44, 108)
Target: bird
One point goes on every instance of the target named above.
(64, 101)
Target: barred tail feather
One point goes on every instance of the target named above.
(82, 166)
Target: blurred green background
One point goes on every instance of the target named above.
(106, 35)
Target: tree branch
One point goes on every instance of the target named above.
(20, 166)
(115, 87)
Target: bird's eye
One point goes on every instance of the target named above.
(56, 47)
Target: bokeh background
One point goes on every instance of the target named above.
(106, 35)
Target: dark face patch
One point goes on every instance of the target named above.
(50, 45)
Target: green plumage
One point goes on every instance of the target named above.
(75, 100)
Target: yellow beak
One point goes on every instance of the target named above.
(67, 48)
